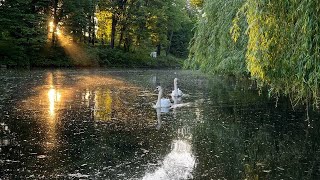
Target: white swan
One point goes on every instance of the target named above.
(162, 102)
(176, 91)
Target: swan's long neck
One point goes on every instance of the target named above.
(175, 85)
(159, 97)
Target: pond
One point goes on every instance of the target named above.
(101, 124)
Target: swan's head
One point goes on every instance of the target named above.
(175, 80)
(159, 88)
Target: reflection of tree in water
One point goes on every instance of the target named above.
(61, 110)
(241, 139)
(102, 105)
(112, 106)
(236, 134)
(122, 138)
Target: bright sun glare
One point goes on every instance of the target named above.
(73, 50)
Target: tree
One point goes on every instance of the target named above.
(130, 25)
(283, 47)
(77, 18)
(22, 28)
(212, 49)
(179, 28)
(276, 42)
(197, 3)
(138, 22)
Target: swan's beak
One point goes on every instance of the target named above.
(155, 90)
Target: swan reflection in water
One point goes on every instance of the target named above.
(176, 102)
(165, 110)
(180, 162)
(159, 112)
(158, 125)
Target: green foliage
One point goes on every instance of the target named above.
(180, 40)
(22, 30)
(180, 26)
(276, 42)
(197, 3)
(77, 18)
(11, 54)
(118, 58)
(212, 49)
(142, 24)
(283, 46)
(51, 57)
(66, 32)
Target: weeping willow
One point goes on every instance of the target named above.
(212, 49)
(283, 46)
(280, 41)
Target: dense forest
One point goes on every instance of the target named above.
(93, 32)
(276, 43)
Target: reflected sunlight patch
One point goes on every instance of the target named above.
(109, 99)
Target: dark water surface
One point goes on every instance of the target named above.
(101, 124)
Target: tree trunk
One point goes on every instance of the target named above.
(158, 49)
(102, 40)
(121, 36)
(113, 30)
(127, 44)
(90, 30)
(169, 46)
(55, 22)
(93, 36)
(123, 29)
(123, 21)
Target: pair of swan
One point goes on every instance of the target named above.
(165, 102)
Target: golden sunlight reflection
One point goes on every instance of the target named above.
(111, 105)
(54, 98)
(86, 97)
